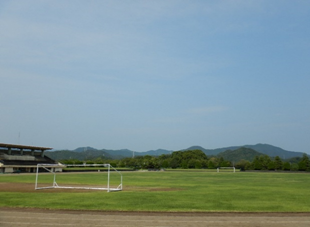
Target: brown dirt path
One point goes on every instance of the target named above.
(11, 217)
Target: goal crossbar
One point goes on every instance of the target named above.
(51, 168)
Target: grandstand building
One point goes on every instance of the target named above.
(20, 158)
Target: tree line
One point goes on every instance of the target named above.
(197, 159)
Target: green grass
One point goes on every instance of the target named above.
(94, 169)
(172, 191)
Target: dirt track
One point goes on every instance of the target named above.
(10, 217)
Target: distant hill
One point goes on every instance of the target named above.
(119, 154)
(84, 153)
(273, 151)
(267, 149)
(79, 155)
(125, 153)
(239, 154)
(81, 149)
(212, 151)
(157, 152)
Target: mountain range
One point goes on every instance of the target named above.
(267, 149)
(229, 153)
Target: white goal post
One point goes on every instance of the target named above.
(218, 168)
(52, 169)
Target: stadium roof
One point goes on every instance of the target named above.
(17, 146)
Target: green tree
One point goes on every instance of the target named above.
(174, 163)
(256, 164)
(165, 163)
(286, 166)
(264, 162)
(242, 165)
(294, 167)
(211, 164)
(271, 165)
(150, 162)
(278, 165)
(204, 164)
(71, 162)
(221, 162)
(304, 164)
(89, 162)
(191, 163)
(187, 159)
(198, 164)
(184, 164)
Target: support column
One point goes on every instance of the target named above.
(10, 151)
(32, 152)
(21, 151)
(42, 153)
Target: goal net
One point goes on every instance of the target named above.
(226, 169)
(106, 177)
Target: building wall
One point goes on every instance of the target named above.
(8, 170)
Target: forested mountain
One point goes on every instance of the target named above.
(239, 154)
(233, 153)
(267, 149)
(78, 155)
(157, 152)
(273, 151)
(119, 154)
(197, 159)
(81, 149)
(82, 153)
(212, 151)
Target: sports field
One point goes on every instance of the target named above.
(166, 191)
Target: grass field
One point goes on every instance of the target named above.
(191, 191)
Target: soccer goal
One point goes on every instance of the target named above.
(226, 169)
(104, 173)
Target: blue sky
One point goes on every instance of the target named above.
(164, 74)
